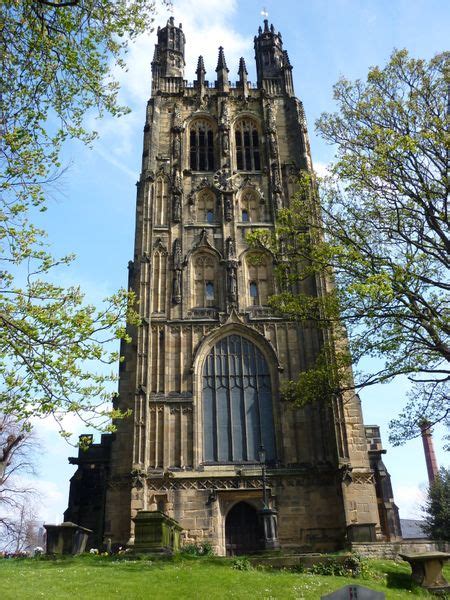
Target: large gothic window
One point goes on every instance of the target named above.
(201, 145)
(237, 403)
(247, 146)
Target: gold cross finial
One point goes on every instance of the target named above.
(264, 12)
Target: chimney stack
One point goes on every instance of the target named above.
(430, 457)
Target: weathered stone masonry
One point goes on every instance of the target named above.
(203, 373)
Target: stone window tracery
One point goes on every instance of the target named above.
(201, 146)
(247, 146)
(205, 275)
(250, 207)
(158, 278)
(237, 403)
(160, 203)
(206, 207)
(259, 278)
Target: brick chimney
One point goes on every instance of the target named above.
(430, 457)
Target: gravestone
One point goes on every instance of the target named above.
(155, 532)
(67, 538)
(354, 592)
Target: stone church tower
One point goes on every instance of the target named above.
(203, 373)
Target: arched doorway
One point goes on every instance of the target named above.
(242, 530)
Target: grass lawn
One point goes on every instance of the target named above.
(95, 577)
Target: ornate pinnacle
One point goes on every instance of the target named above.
(221, 63)
(200, 66)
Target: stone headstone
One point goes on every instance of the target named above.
(354, 592)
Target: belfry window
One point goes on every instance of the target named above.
(247, 146)
(237, 403)
(201, 139)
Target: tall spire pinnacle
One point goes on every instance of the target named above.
(221, 62)
(200, 65)
(222, 72)
(242, 72)
(200, 72)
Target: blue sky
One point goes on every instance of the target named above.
(91, 209)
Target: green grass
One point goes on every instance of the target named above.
(92, 577)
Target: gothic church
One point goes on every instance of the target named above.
(210, 442)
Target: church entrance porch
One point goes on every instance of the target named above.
(242, 531)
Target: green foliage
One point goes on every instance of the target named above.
(437, 507)
(58, 64)
(367, 247)
(242, 564)
(202, 549)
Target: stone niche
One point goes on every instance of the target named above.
(155, 532)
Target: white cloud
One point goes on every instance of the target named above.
(207, 25)
(410, 499)
(321, 169)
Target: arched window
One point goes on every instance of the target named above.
(259, 279)
(237, 403)
(247, 146)
(250, 206)
(160, 202)
(201, 144)
(205, 207)
(205, 275)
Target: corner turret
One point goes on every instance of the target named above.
(168, 60)
(272, 63)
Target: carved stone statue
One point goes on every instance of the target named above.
(227, 208)
(177, 191)
(177, 270)
(230, 248)
(232, 281)
(177, 122)
(177, 258)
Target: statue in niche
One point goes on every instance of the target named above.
(225, 116)
(177, 190)
(271, 121)
(225, 127)
(177, 270)
(230, 248)
(277, 189)
(177, 148)
(177, 123)
(232, 281)
(225, 143)
(227, 208)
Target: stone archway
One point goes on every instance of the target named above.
(242, 531)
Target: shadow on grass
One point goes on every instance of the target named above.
(401, 581)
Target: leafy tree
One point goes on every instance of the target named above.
(17, 460)
(382, 233)
(437, 507)
(57, 63)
